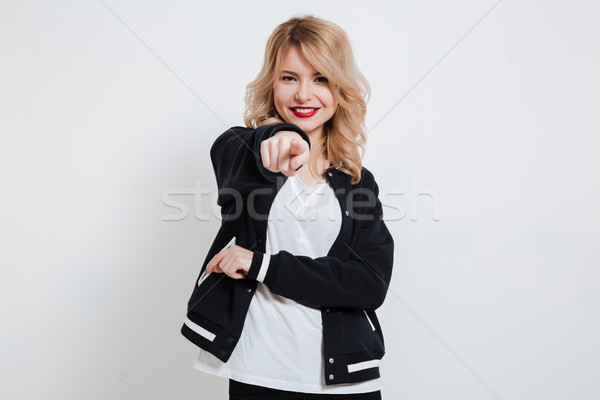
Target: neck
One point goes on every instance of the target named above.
(314, 137)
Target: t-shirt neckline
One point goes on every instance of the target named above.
(307, 186)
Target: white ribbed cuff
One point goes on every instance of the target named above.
(264, 266)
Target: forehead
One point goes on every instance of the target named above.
(294, 60)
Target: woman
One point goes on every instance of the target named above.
(284, 306)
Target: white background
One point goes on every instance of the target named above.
(483, 113)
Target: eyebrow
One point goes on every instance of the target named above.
(295, 74)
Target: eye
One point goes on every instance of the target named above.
(287, 78)
(322, 79)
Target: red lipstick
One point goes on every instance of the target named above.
(304, 114)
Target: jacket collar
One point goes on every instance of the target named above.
(338, 179)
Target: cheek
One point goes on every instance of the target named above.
(327, 98)
(334, 102)
(277, 102)
(279, 96)
(331, 104)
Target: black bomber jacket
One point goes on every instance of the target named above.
(347, 285)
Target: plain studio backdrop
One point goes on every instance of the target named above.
(482, 133)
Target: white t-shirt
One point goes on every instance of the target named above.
(281, 345)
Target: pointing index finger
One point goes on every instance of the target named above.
(296, 147)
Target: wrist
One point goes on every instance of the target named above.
(258, 266)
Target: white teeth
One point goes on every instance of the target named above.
(304, 110)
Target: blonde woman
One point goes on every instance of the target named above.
(284, 306)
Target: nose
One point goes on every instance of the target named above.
(304, 92)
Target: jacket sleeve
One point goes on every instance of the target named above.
(236, 159)
(359, 281)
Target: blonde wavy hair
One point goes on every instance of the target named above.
(327, 47)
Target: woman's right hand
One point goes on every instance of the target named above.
(284, 152)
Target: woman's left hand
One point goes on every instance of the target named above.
(234, 261)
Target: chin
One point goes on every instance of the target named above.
(304, 125)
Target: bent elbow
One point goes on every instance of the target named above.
(377, 295)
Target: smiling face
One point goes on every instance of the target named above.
(302, 95)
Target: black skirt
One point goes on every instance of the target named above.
(244, 391)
